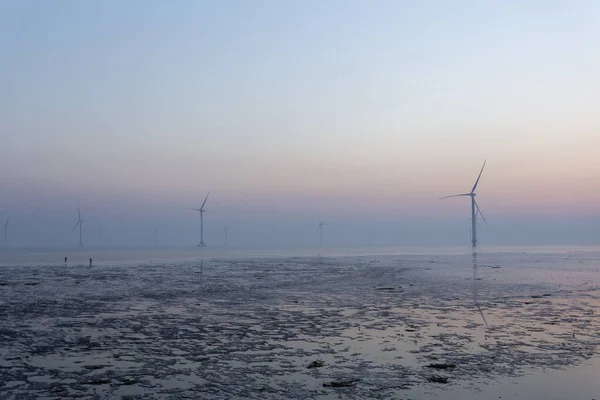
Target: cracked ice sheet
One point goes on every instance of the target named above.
(249, 328)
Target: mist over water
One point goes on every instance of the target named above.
(173, 256)
(183, 231)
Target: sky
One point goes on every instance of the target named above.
(364, 113)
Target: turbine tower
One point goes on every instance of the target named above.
(80, 224)
(6, 232)
(320, 228)
(201, 211)
(474, 208)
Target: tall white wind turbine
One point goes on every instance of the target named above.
(80, 224)
(320, 228)
(474, 207)
(201, 210)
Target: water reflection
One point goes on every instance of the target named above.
(475, 292)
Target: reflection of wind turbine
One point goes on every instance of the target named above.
(320, 228)
(474, 208)
(6, 232)
(80, 224)
(475, 298)
(201, 211)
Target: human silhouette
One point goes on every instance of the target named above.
(90, 261)
(65, 260)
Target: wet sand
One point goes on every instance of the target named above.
(516, 325)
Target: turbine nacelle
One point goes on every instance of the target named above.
(201, 209)
(321, 224)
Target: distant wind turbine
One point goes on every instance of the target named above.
(6, 232)
(320, 228)
(80, 224)
(474, 208)
(201, 210)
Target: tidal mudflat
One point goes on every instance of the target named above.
(380, 327)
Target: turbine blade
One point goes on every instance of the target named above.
(195, 209)
(206, 198)
(477, 181)
(480, 213)
(6, 223)
(456, 195)
(77, 224)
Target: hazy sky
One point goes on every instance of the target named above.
(364, 112)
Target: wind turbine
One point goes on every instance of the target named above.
(320, 228)
(6, 232)
(80, 224)
(201, 211)
(474, 208)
